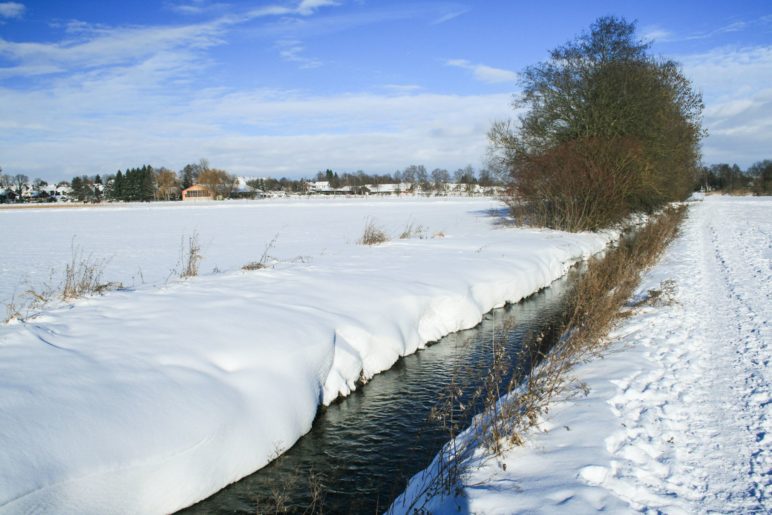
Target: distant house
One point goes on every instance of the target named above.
(324, 188)
(388, 189)
(197, 192)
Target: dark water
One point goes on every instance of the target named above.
(362, 450)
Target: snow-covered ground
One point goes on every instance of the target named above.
(677, 419)
(141, 242)
(149, 399)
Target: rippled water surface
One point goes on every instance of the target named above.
(362, 450)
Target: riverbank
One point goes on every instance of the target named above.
(675, 416)
(149, 399)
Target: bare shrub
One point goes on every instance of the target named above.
(263, 261)
(190, 257)
(279, 498)
(373, 235)
(579, 185)
(316, 487)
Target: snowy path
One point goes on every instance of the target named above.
(678, 415)
(696, 429)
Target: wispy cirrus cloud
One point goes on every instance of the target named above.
(660, 34)
(310, 6)
(484, 72)
(292, 51)
(656, 33)
(11, 9)
(735, 26)
(90, 46)
(449, 16)
(196, 7)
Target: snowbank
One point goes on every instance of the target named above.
(152, 399)
(678, 415)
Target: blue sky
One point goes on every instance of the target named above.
(290, 87)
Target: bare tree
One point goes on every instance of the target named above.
(38, 184)
(464, 175)
(5, 180)
(440, 178)
(20, 183)
(166, 184)
(219, 182)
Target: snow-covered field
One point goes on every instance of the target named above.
(148, 399)
(678, 415)
(141, 242)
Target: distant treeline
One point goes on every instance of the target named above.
(756, 179)
(146, 183)
(415, 175)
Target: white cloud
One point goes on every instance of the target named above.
(307, 7)
(729, 72)
(11, 9)
(83, 130)
(94, 47)
(735, 83)
(483, 72)
(743, 135)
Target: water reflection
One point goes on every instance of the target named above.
(363, 449)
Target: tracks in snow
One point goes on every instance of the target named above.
(694, 422)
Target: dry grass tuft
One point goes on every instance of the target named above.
(82, 277)
(190, 257)
(413, 231)
(12, 310)
(263, 261)
(254, 265)
(373, 235)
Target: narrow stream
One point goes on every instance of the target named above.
(362, 450)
